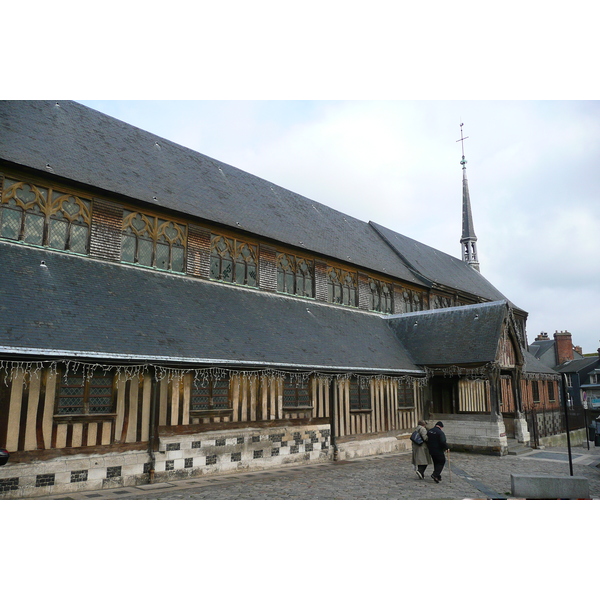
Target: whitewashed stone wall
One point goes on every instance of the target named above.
(479, 433)
(178, 457)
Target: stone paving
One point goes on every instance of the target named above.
(383, 477)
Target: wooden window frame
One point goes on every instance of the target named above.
(551, 394)
(86, 382)
(359, 396)
(294, 280)
(160, 233)
(292, 386)
(535, 391)
(50, 205)
(379, 300)
(236, 253)
(406, 395)
(213, 386)
(342, 286)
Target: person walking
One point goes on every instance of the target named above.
(420, 453)
(436, 443)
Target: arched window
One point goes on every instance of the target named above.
(295, 275)
(44, 216)
(342, 287)
(233, 261)
(153, 242)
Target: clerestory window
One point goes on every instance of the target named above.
(233, 261)
(342, 287)
(380, 296)
(153, 242)
(44, 216)
(295, 275)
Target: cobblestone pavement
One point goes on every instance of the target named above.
(384, 477)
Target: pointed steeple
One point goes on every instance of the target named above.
(468, 240)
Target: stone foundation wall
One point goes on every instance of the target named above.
(476, 433)
(371, 447)
(178, 457)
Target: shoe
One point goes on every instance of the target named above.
(435, 478)
(420, 475)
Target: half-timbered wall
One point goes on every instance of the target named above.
(473, 395)
(537, 394)
(385, 413)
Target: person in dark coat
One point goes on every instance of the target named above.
(436, 442)
(420, 453)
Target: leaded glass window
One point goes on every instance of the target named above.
(360, 395)
(44, 216)
(210, 394)
(233, 261)
(380, 296)
(342, 287)
(295, 275)
(85, 395)
(153, 242)
(406, 398)
(296, 393)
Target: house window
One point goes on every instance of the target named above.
(153, 242)
(380, 296)
(360, 395)
(295, 275)
(233, 261)
(342, 287)
(551, 394)
(211, 394)
(85, 395)
(535, 390)
(406, 398)
(44, 216)
(296, 393)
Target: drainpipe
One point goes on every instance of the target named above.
(151, 436)
(333, 411)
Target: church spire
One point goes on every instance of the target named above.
(468, 240)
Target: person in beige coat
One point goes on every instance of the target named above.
(420, 453)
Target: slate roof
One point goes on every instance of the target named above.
(438, 267)
(574, 366)
(69, 140)
(534, 365)
(84, 145)
(458, 335)
(89, 309)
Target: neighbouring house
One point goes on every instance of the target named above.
(166, 315)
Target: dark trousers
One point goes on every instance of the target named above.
(439, 460)
(421, 469)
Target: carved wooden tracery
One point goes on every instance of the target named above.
(342, 286)
(233, 261)
(44, 216)
(380, 296)
(153, 242)
(295, 275)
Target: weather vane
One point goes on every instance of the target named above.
(463, 162)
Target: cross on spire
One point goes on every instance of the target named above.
(468, 241)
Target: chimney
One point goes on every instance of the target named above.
(542, 337)
(578, 349)
(563, 347)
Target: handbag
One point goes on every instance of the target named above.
(416, 437)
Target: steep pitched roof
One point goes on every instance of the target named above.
(72, 141)
(577, 365)
(452, 336)
(80, 307)
(438, 267)
(533, 365)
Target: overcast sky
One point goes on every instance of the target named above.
(532, 166)
(268, 79)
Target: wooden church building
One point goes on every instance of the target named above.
(165, 315)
